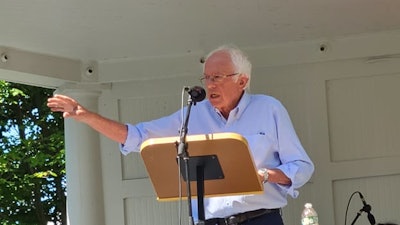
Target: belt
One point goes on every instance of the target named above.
(240, 217)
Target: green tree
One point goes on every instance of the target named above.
(32, 157)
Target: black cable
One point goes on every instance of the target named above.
(348, 203)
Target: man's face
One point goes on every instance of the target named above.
(223, 93)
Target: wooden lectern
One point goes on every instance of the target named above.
(228, 165)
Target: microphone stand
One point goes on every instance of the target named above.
(366, 208)
(183, 154)
(356, 218)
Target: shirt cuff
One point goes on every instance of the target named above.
(290, 171)
(132, 141)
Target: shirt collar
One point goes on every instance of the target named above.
(243, 103)
(239, 109)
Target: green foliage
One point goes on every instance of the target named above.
(32, 157)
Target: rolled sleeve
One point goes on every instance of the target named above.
(133, 140)
(299, 172)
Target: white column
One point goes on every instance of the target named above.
(85, 200)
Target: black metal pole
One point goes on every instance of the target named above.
(356, 218)
(183, 154)
(200, 194)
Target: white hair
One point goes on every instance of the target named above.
(239, 60)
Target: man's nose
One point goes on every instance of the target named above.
(210, 84)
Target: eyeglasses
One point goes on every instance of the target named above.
(215, 79)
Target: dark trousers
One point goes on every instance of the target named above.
(274, 218)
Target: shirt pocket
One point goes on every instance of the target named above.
(262, 147)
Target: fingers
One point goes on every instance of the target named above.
(66, 114)
(64, 98)
(62, 103)
(61, 99)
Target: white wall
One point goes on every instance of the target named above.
(342, 100)
(346, 114)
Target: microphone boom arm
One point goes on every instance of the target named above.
(366, 208)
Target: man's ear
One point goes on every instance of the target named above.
(243, 81)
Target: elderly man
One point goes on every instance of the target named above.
(283, 164)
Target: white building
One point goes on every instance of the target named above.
(334, 64)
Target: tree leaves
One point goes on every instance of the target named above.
(45, 174)
(32, 157)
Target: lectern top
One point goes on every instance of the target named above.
(231, 149)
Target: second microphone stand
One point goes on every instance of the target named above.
(366, 208)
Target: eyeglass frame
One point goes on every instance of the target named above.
(216, 78)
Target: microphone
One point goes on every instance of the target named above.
(197, 93)
(362, 199)
(367, 209)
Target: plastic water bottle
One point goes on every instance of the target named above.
(309, 216)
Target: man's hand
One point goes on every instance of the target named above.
(274, 176)
(68, 106)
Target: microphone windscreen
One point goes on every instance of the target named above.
(197, 93)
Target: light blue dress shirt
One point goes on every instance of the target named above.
(265, 124)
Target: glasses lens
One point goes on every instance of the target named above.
(203, 80)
